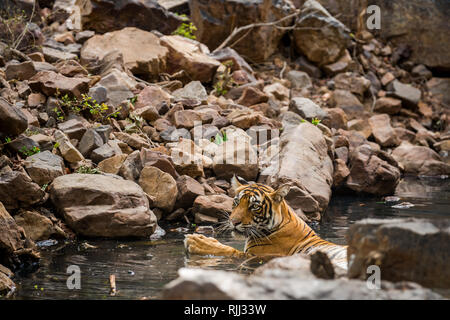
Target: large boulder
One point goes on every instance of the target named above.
(282, 284)
(18, 190)
(186, 54)
(404, 249)
(216, 19)
(12, 120)
(318, 35)
(420, 160)
(142, 51)
(106, 15)
(372, 171)
(95, 205)
(304, 162)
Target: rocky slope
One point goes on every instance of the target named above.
(110, 125)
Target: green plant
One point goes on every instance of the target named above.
(220, 137)
(56, 145)
(8, 140)
(186, 29)
(87, 170)
(44, 186)
(30, 132)
(315, 121)
(15, 27)
(98, 111)
(29, 151)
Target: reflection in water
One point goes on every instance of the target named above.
(142, 268)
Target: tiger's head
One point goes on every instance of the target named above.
(256, 207)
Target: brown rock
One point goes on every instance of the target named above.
(372, 171)
(121, 208)
(213, 205)
(12, 120)
(336, 118)
(188, 190)
(214, 24)
(20, 71)
(420, 160)
(387, 244)
(382, 131)
(186, 119)
(185, 54)
(160, 185)
(252, 96)
(18, 190)
(341, 172)
(104, 16)
(388, 105)
(49, 82)
(142, 51)
(37, 226)
(152, 96)
(113, 164)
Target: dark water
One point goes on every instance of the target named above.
(142, 268)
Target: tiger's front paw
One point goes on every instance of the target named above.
(199, 244)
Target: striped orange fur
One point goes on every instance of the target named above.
(271, 227)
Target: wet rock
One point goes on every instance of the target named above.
(113, 164)
(306, 108)
(214, 24)
(160, 185)
(18, 190)
(214, 205)
(188, 190)
(68, 151)
(37, 226)
(105, 16)
(282, 284)
(387, 244)
(96, 205)
(12, 120)
(186, 54)
(44, 167)
(20, 71)
(409, 95)
(372, 171)
(7, 286)
(141, 50)
(17, 249)
(382, 131)
(318, 35)
(420, 160)
(303, 161)
(49, 82)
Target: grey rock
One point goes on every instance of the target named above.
(306, 108)
(44, 167)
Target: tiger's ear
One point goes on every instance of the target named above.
(279, 194)
(237, 182)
